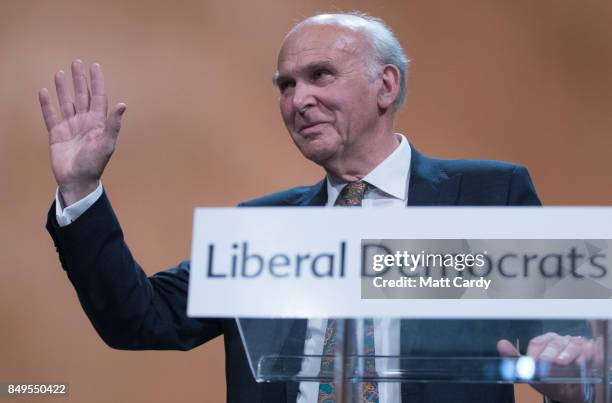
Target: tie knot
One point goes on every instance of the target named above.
(352, 194)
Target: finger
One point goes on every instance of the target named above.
(553, 349)
(113, 123)
(588, 352)
(571, 352)
(63, 95)
(507, 349)
(99, 102)
(538, 344)
(81, 89)
(48, 111)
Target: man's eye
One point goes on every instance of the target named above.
(285, 85)
(319, 74)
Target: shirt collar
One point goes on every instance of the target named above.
(390, 176)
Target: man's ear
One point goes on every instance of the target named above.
(390, 88)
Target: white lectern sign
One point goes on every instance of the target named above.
(437, 262)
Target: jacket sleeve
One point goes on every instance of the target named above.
(128, 309)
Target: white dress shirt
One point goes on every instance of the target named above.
(390, 180)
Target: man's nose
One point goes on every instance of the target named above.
(303, 97)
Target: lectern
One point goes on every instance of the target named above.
(427, 294)
(276, 352)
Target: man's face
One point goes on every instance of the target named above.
(328, 99)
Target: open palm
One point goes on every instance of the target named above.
(83, 138)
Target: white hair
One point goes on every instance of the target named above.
(387, 49)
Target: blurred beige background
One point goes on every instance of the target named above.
(525, 81)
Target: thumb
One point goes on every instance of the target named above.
(507, 349)
(113, 122)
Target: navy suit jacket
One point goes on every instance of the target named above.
(132, 311)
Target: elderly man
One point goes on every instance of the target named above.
(341, 79)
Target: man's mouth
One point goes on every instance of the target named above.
(311, 127)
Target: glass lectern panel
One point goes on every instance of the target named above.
(571, 354)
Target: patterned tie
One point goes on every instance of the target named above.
(352, 196)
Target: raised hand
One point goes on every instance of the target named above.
(83, 138)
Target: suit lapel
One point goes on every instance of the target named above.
(315, 196)
(429, 184)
